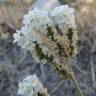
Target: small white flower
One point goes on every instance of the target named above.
(30, 86)
(37, 17)
(31, 79)
(19, 33)
(16, 36)
(64, 15)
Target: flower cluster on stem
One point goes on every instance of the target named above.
(51, 37)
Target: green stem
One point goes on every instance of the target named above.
(75, 81)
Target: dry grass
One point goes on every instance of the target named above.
(12, 11)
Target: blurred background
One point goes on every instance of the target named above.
(16, 63)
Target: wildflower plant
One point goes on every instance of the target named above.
(51, 37)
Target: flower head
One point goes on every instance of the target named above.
(37, 18)
(30, 86)
(50, 38)
(64, 15)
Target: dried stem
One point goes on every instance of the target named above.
(74, 79)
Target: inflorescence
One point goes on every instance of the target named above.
(50, 37)
(31, 86)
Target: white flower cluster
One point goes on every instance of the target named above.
(31, 86)
(51, 37)
(64, 17)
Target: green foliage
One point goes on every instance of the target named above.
(50, 33)
(64, 1)
(70, 34)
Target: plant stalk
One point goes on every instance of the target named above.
(75, 81)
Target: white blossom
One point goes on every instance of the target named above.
(16, 36)
(50, 37)
(37, 18)
(30, 86)
(64, 17)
